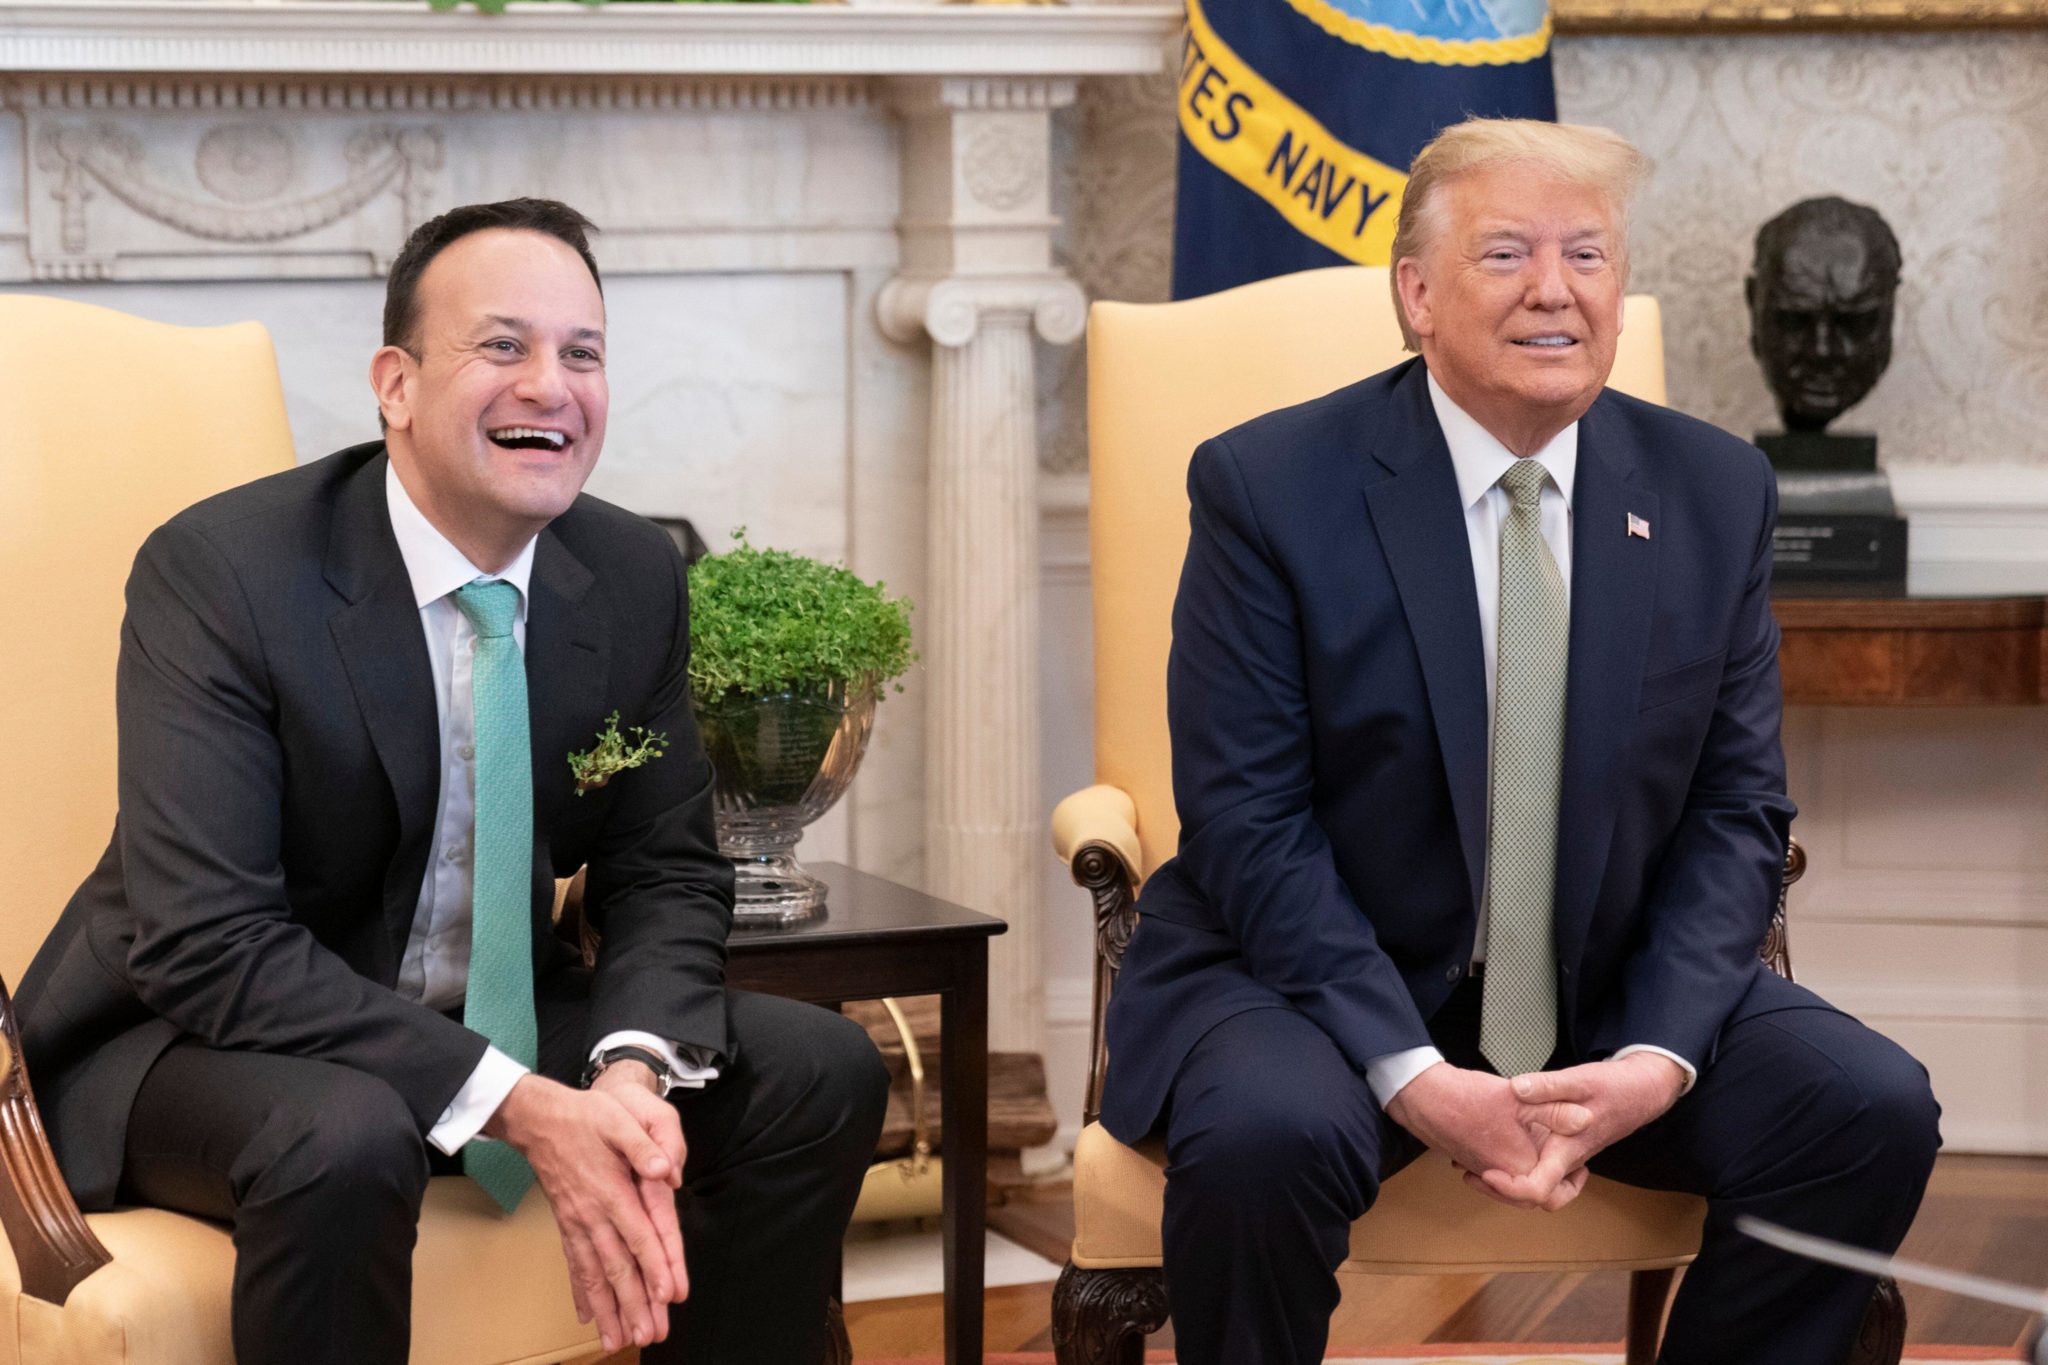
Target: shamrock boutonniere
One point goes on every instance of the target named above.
(613, 755)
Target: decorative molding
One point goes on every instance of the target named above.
(981, 94)
(1069, 1002)
(1792, 16)
(112, 157)
(245, 163)
(1981, 1002)
(951, 309)
(303, 95)
(1002, 165)
(386, 37)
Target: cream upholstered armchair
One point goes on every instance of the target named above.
(1161, 379)
(115, 424)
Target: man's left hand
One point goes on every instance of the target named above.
(636, 1087)
(1581, 1111)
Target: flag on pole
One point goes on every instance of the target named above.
(1299, 118)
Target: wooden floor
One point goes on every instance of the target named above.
(1987, 1214)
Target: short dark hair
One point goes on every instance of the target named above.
(431, 238)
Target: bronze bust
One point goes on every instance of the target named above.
(1821, 296)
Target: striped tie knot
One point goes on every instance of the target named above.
(1524, 482)
(490, 606)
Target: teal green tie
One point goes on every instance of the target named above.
(500, 999)
(1518, 1010)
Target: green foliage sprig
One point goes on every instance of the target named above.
(766, 621)
(613, 755)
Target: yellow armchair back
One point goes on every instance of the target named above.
(114, 424)
(1162, 378)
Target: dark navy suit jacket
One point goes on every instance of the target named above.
(1327, 699)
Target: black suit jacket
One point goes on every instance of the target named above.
(1327, 697)
(279, 752)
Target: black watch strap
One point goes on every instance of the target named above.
(653, 1060)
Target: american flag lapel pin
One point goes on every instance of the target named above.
(1638, 527)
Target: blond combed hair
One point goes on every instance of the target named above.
(1578, 154)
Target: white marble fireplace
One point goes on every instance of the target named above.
(826, 247)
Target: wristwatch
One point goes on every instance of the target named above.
(665, 1079)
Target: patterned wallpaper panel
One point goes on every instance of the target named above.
(1946, 135)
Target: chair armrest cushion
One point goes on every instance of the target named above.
(1100, 814)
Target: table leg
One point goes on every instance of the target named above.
(963, 1061)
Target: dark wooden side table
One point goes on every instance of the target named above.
(878, 938)
(1913, 651)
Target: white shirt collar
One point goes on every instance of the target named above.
(1480, 459)
(436, 567)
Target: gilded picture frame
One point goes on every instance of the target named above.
(1763, 16)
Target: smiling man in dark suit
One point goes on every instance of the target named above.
(1475, 707)
(316, 963)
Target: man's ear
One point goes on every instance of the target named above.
(1414, 296)
(391, 371)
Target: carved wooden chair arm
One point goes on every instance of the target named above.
(1095, 832)
(1100, 814)
(52, 1244)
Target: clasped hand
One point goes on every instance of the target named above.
(1526, 1141)
(609, 1159)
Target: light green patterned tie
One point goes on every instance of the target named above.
(500, 998)
(1518, 1016)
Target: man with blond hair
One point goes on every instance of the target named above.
(1475, 707)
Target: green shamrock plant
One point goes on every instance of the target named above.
(613, 755)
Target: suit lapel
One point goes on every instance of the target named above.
(1614, 587)
(1421, 524)
(384, 652)
(568, 657)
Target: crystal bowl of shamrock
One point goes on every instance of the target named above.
(789, 658)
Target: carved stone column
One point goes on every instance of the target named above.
(978, 279)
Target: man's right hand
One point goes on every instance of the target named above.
(1473, 1118)
(592, 1158)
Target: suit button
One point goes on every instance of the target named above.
(1451, 973)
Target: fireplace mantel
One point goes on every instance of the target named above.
(382, 37)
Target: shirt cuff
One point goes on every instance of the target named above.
(1691, 1072)
(473, 1105)
(1388, 1074)
(692, 1067)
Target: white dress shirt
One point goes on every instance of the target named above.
(1478, 460)
(435, 968)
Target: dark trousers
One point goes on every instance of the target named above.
(321, 1170)
(1275, 1146)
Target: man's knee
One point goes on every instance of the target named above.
(852, 1080)
(1900, 1122)
(1275, 1155)
(1859, 1108)
(358, 1145)
(826, 1076)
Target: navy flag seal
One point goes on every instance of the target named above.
(1299, 118)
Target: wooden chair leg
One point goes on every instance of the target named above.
(1882, 1339)
(1648, 1292)
(1100, 1317)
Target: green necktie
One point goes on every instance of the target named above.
(1518, 1016)
(499, 1004)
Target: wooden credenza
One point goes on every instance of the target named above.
(1913, 651)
